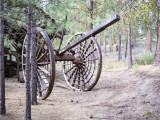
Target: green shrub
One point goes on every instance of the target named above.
(149, 113)
(109, 65)
(145, 58)
(135, 66)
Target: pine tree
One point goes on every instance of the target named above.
(33, 64)
(157, 55)
(28, 95)
(2, 79)
(119, 48)
(130, 62)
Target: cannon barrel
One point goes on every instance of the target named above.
(91, 33)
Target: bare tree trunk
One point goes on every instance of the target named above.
(126, 46)
(114, 40)
(129, 49)
(91, 13)
(119, 49)
(157, 54)
(110, 44)
(116, 48)
(33, 65)
(149, 40)
(91, 26)
(101, 44)
(28, 95)
(105, 50)
(2, 79)
(134, 41)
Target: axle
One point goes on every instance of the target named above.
(91, 33)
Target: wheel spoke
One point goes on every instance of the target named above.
(40, 49)
(42, 56)
(84, 46)
(72, 74)
(43, 63)
(70, 69)
(87, 48)
(79, 78)
(74, 80)
(83, 79)
(39, 86)
(90, 53)
(91, 75)
(44, 70)
(41, 83)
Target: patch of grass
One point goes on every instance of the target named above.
(149, 113)
(135, 66)
(145, 58)
(113, 64)
(109, 65)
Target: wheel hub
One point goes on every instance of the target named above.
(78, 60)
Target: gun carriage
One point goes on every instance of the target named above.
(82, 60)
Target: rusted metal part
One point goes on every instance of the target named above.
(91, 33)
(64, 58)
(78, 61)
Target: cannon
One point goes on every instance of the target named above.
(82, 60)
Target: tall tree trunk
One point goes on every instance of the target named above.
(114, 40)
(101, 44)
(28, 95)
(2, 79)
(91, 13)
(91, 26)
(105, 50)
(134, 41)
(119, 49)
(33, 65)
(149, 40)
(157, 54)
(129, 49)
(126, 46)
(110, 44)
(116, 48)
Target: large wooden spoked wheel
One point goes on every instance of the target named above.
(83, 73)
(45, 63)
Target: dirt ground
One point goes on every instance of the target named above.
(120, 94)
